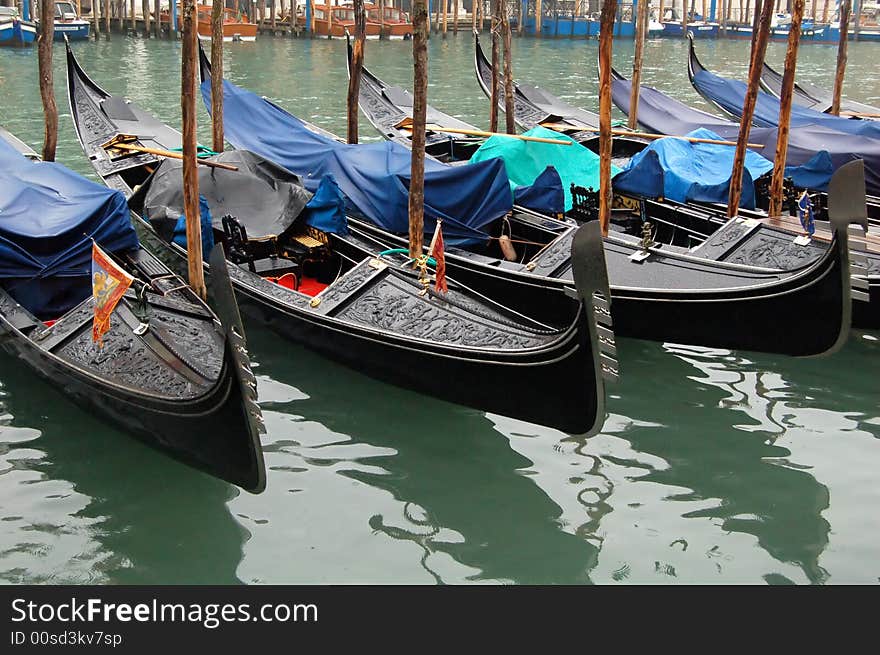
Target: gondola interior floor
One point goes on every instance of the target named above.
(306, 285)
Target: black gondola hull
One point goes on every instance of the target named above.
(205, 433)
(472, 378)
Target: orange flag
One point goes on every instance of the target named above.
(439, 256)
(109, 283)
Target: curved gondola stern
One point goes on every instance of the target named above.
(694, 65)
(770, 81)
(591, 281)
(848, 215)
(481, 63)
(204, 64)
(253, 474)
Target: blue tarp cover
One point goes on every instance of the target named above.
(805, 163)
(683, 171)
(731, 94)
(545, 194)
(525, 161)
(48, 218)
(374, 177)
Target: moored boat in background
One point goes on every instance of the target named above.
(14, 29)
(68, 23)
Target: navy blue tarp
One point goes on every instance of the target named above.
(374, 177)
(544, 195)
(48, 218)
(731, 94)
(662, 114)
(684, 171)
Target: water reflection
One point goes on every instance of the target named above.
(397, 472)
(81, 502)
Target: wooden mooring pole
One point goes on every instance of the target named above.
(190, 167)
(641, 33)
(493, 97)
(757, 63)
(47, 91)
(606, 36)
(357, 65)
(509, 113)
(420, 105)
(217, 75)
(785, 99)
(845, 11)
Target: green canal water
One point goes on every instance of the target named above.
(712, 467)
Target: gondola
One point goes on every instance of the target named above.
(662, 114)
(369, 310)
(728, 96)
(534, 106)
(660, 291)
(169, 371)
(687, 225)
(389, 110)
(811, 96)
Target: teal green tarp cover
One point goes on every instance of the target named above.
(526, 160)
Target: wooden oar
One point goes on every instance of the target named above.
(521, 137)
(859, 114)
(121, 145)
(644, 135)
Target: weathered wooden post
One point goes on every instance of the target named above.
(455, 15)
(157, 19)
(757, 63)
(474, 11)
(357, 64)
(539, 17)
(329, 19)
(785, 98)
(96, 18)
(493, 97)
(132, 18)
(606, 36)
(445, 5)
(825, 11)
(684, 18)
(641, 33)
(190, 172)
(420, 103)
(47, 91)
(106, 9)
(857, 19)
(845, 11)
(217, 76)
(145, 8)
(508, 69)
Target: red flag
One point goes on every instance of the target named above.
(109, 283)
(440, 258)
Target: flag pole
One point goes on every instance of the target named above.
(785, 99)
(190, 166)
(420, 102)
